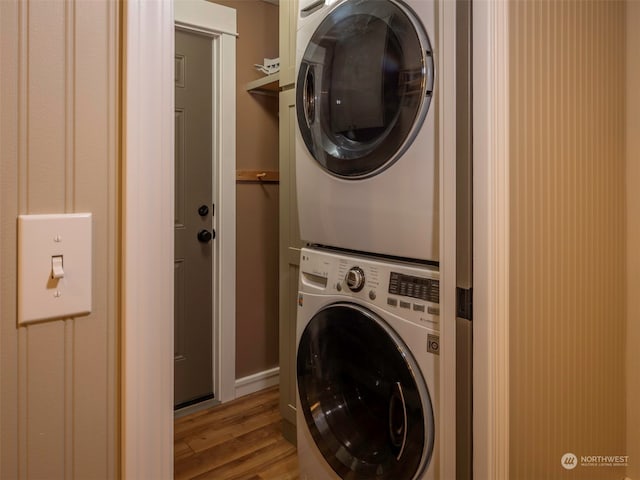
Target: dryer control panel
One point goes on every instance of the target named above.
(408, 290)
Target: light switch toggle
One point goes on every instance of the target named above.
(56, 267)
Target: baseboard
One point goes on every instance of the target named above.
(183, 412)
(257, 381)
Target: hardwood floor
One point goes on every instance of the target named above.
(239, 440)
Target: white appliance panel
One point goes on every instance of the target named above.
(394, 212)
(385, 287)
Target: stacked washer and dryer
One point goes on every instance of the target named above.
(367, 186)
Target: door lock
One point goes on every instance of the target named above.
(205, 236)
(203, 211)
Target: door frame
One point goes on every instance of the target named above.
(147, 266)
(490, 47)
(147, 215)
(219, 24)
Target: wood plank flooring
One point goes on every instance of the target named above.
(239, 440)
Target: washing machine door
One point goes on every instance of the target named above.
(364, 400)
(364, 87)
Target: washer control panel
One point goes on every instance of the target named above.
(411, 291)
(426, 289)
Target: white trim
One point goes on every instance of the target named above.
(447, 188)
(257, 381)
(205, 31)
(209, 18)
(491, 240)
(205, 17)
(226, 221)
(147, 216)
(147, 265)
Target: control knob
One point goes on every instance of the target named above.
(355, 279)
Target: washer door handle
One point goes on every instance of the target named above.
(398, 419)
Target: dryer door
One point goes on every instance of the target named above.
(364, 87)
(364, 400)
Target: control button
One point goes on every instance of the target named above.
(418, 308)
(338, 287)
(404, 304)
(355, 279)
(372, 294)
(392, 301)
(433, 310)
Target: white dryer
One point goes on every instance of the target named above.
(366, 168)
(367, 368)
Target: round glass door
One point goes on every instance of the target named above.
(364, 401)
(364, 87)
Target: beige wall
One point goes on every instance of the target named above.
(567, 273)
(633, 239)
(257, 204)
(59, 97)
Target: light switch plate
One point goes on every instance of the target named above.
(40, 238)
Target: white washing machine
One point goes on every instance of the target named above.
(366, 162)
(367, 368)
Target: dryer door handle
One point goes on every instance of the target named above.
(306, 11)
(398, 419)
(309, 95)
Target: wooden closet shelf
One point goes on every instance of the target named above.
(268, 85)
(257, 176)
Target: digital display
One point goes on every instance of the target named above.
(426, 289)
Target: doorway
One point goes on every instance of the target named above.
(204, 232)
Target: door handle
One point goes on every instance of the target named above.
(309, 95)
(205, 236)
(305, 12)
(398, 420)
